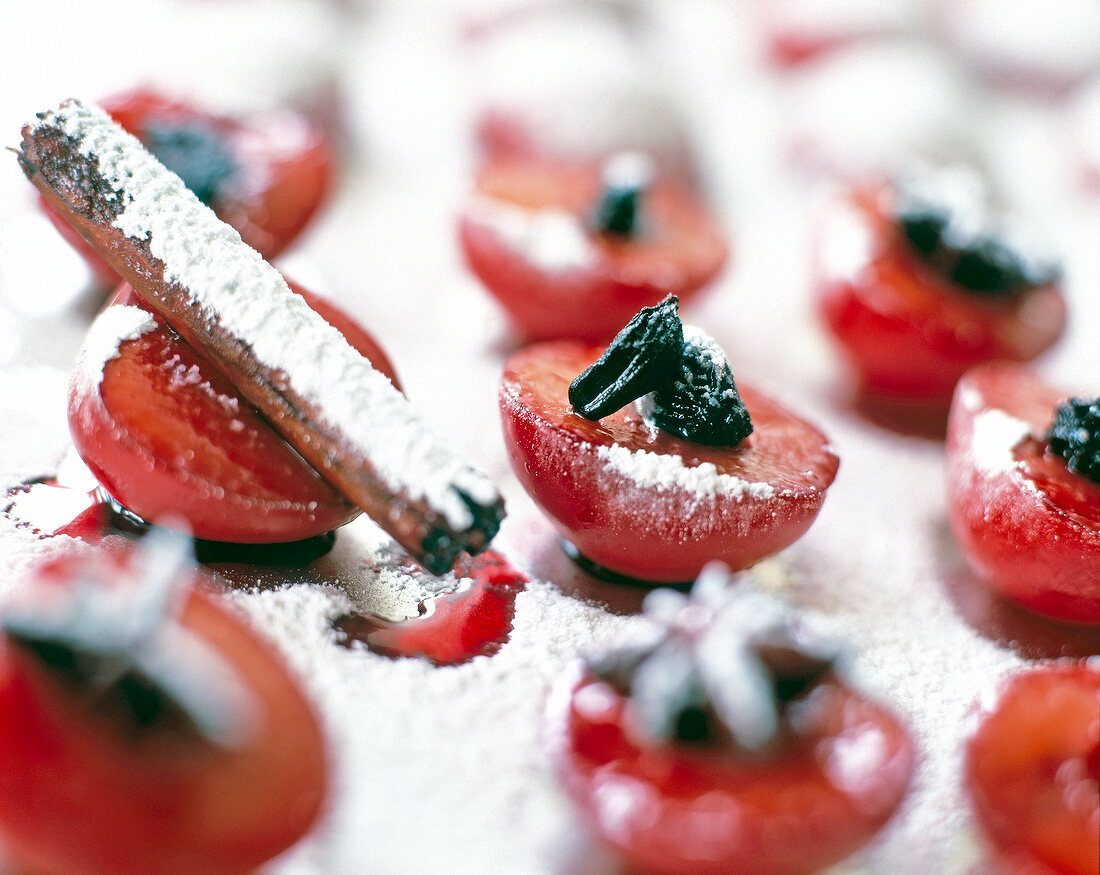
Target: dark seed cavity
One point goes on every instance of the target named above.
(691, 389)
(196, 153)
(1075, 436)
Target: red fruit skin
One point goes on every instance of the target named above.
(1032, 772)
(1028, 526)
(669, 809)
(678, 252)
(285, 170)
(167, 435)
(659, 534)
(906, 332)
(457, 626)
(78, 798)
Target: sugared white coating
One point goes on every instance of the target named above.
(550, 238)
(665, 471)
(132, 625)
(245, 296)
(995, 434)
(629, 169)
(108, 331)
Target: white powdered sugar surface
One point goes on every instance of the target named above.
(669, 471)
(550, 238)
(995, 434)
(110, 329)
(244, 295)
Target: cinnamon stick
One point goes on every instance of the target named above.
(220, 296)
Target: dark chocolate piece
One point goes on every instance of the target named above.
(946, 220)
(626, 178)
(703, 404)
(134, 702)
(1075, 436)
(672, 702)
(644, 356)
(194, 152)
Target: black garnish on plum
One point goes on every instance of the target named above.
(978, 263)
(1075, 436)
(702, 404)
(923, 230)
(132, 701)
(618, 211)
(196, 153)
(677, 707)
(992, 268)
(693, 393)
(626, 178)
(643, 357)
(793, 671)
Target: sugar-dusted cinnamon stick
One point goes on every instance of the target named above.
(344, 417)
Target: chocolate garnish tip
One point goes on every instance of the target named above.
(641, 357)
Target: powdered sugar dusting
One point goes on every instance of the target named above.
(550, 237)
(706, 346)
(107, 333)
(664, 471)
(237, 290)
(995, 434)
